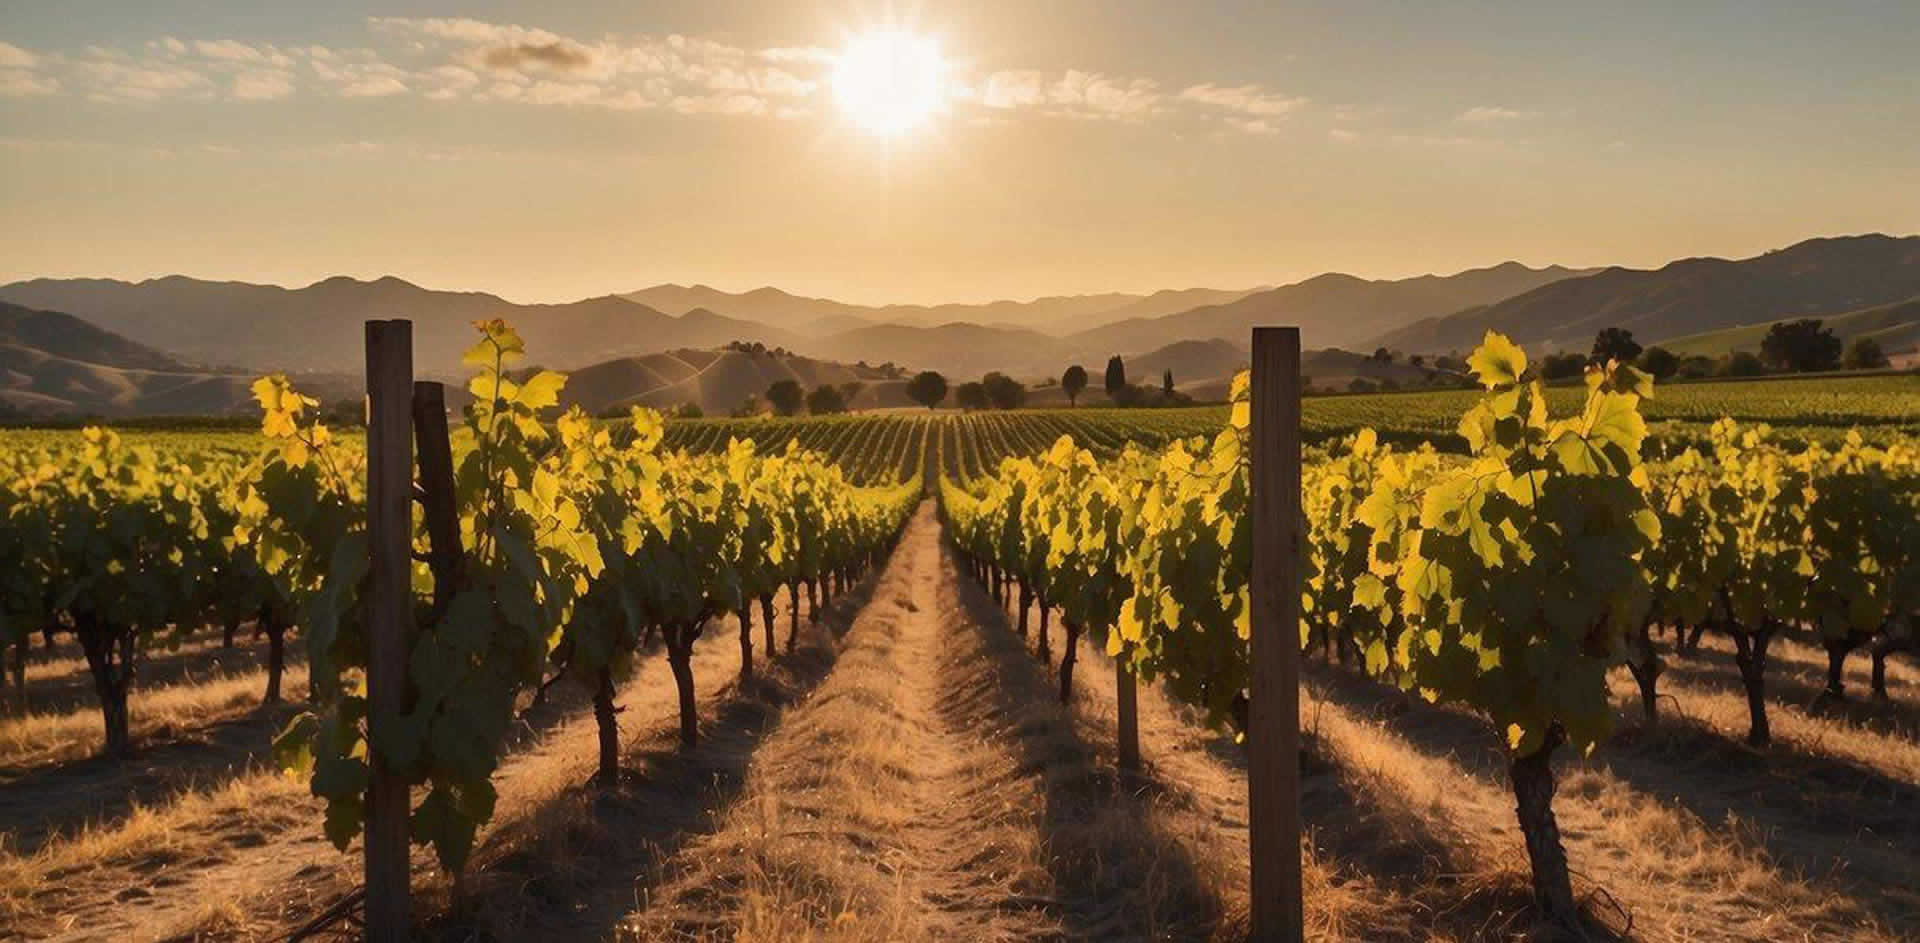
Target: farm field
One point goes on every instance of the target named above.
(923, 745)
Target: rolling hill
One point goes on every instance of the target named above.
(1332, 310)
(1895, 326)
(319, 327)
(55, 364)
(717, 381)
(1691, 296)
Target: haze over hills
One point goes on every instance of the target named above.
(56, 364)
(1332, 310)
(822, 316)
(178, 326)
(1825, 276)
(318, 327)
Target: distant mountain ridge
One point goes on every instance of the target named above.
(1332, 310)
(318, 327)
(1825, 276)
(822, 316)
(56, 364)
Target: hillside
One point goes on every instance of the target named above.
(1895, 326)
(958, 349)
(822, 316)
(55, 364)
(319, 327)
(1691, 296)
(717, 381)
(1331, 310)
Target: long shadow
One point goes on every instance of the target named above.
(192, 663)
(583, 861)
(1803, 687)
(1347, 829)
(1840, 825)
(1843, 827)
(1101, 896)
(41, 803)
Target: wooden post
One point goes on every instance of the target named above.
(1273, 716)
(389, 617)
(436, 492)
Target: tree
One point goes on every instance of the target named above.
(927, 388)
(1417, 360)
(1802, 346)
(850, 391)
(1562, 366)
(1615, 343)
(1116, 376)
(1166, 383)
(826, 399)
(1865, 354)
(1382, 355)
(1744, 364)
(1073, 381)
(786, 397)
(748, 407)
(1361, 385)
(1003, 391)
(1660, 362)
(689, 411)
(971, 396)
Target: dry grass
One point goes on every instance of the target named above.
(910, 775)
(142, 855)
(41, 739)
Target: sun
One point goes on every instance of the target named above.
(889, 82)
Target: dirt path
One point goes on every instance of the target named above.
(932, 790)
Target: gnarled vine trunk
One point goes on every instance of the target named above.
(766, 622)
(1532, 779)
(1026, 600)
(793, 621)
(109, 650)
(1127, 696)
(1645, 667)
(746, 643)
(1750, 653)
(1045, 647)
(276, 631)
(680, 639)
(604, 716)
(1067, 658)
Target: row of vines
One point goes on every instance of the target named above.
(1508, 581)
(581, 546)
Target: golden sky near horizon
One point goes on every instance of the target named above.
(938, 152)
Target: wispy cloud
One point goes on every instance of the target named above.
(1246, 99)
(442, 59)
(1489, 114)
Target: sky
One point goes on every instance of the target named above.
(552, 151)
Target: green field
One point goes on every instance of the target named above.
(876, 447)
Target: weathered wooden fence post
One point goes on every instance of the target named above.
(389, 618)
(1273, 716)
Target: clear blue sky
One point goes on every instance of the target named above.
(550, 151)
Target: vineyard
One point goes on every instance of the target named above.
(1672, 628)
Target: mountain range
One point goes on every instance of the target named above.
(1827, 276)
(53, 363)
(182, 327)
(817, 317)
